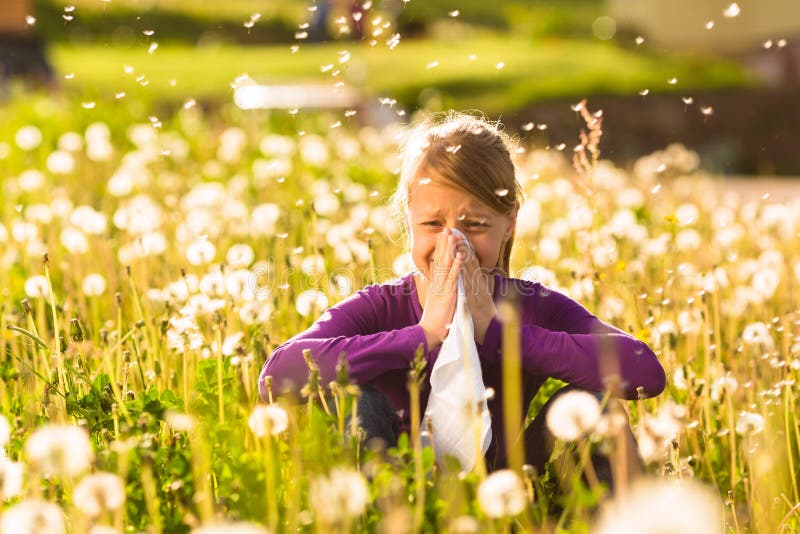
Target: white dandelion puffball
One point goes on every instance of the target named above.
(94, 285)
(36, 287)
(695, 508)
(60, 449)
(10, 479)
(5, 431)
(342, 494)
(308, 300)
(98, 493)
(60, 162)
(31, 180)
(240, 255)
(573, 414)
(270, 419)
(28, 137)
(200, 252)
(33, 516)
(230, 528)
(749, 423)
(180, 422)
(502, 494)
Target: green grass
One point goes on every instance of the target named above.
(533, 70)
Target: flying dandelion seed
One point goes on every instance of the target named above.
(69, 76)
(688, 100)
(639, 40)
(454, 13)
(709, 24)
(393, 41)
(153, 47)
(30, 20)
(541, 127)
(433, 64)
(148, 33)
(644, 92)
(707, 111)
(501, 192)
(672, 81)
(301, 35)
(732, 11)
(782, 43)
(67, 18)
(500, 65)
(561, 146)
(767, 44)
(294, 48)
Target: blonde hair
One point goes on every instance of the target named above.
(472, 154)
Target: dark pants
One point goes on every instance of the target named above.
(378, 418)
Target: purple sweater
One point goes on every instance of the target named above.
(377, 328)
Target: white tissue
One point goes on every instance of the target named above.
(457, 402)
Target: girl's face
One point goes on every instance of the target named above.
(433, 205)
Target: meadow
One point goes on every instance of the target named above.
(150, 263)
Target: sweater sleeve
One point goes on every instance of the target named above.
(567, 342)
(352, 327)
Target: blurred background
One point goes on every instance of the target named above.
(721, 77)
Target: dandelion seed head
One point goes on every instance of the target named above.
(268, 419)
(33, 516)
(342, 494)
(28, 137)
(59, 450)
(98, 493)
(573, 414)
(749, 423)
(502, 494)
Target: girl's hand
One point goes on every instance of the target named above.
(442, 290)
(479, 287)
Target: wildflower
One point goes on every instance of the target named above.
(696, 509)
(765, 282)
(340, 495)
(263, 219)
(749, 423)
(573, 414)
(36, 287)
(270, 419)
(70, 141)
(94, 285)
(60, 449)
(10, 479)
(98, 493)
(502, 494)
(33, 516)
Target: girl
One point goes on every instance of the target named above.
(458, 173)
